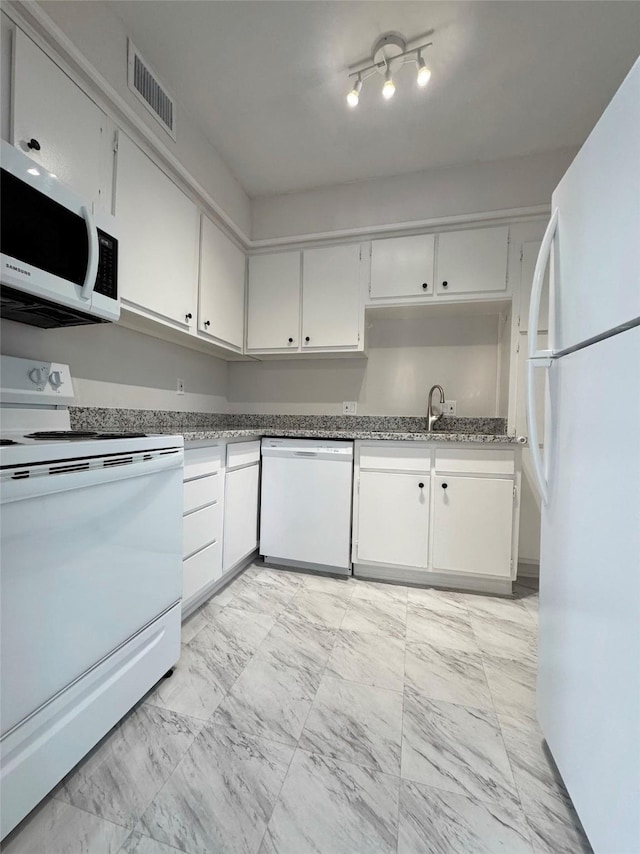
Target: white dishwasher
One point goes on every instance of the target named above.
(305, 516)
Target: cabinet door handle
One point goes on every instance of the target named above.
(421, 485)
(207, 323)
(425, 285)
(188, 316)
(445, 485)
(445, 284)
(34, 145)
(291, 340)
(307, 339)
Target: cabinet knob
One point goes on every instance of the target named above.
(421, 485)
(207, 323)
(445, 485)
(425, 285)
(34, 145)
(445, 284)
(290, 340)
(188, 316)
(307, 339)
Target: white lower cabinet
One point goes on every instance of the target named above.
(436, 514)
(393, 518)
(472, 525)
(241, 502)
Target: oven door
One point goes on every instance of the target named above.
(52, 251)
(89, 558)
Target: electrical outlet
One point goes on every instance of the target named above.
(349, 407)
(180, 387)
(449, 407)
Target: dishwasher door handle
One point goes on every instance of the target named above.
(305, 453)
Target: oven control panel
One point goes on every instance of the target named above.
(35, 381)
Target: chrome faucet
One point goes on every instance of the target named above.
(431, 418)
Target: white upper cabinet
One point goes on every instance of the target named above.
(222, 273)
(473, 261)
(159, 228)
(273, 305)
(331, 305)
(56, 124)
(402, 266)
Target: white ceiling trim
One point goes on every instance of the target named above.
(41, 28)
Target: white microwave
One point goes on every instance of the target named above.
(58, 260)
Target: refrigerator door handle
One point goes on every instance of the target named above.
(536, 288)
(538, 358)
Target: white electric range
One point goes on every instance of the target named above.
(90, 583)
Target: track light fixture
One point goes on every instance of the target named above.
(389, 53)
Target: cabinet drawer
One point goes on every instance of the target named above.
(481, 461)
(201, 461)
(201, 569)
(201, 528)
(393, 458)
(202, 491)
(243, 453)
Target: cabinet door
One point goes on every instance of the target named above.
(472, 525)
(472, 261)
(273, 310)
(393, 518)
(331, 297)
(159, 229)
(48, 107)
(221, 304)
(240, 515)
(402, 266)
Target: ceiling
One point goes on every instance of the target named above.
(266, 81)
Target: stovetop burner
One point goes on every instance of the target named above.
(5, 442)
(82, 434)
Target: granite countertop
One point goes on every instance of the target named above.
(195, 426)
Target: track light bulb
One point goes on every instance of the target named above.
(424, 74)
(388, 90)
(354, 95)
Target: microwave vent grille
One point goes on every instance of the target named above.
(144, 83)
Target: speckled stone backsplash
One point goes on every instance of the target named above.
(155, 420)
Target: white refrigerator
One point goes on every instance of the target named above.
(589, 477)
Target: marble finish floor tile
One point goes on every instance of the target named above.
(452, 675)
(322, 608)
(456, 749)
(139, 844)
(433, 821)
(554, 825)
(281, 578)
(450, 629)
(505, 638)
(388, 619)
(296, 642)
(502, 607)
(264, 598)
(378, 591)
(335, 585)
(194, 689)
(370, 659)
(331, 807)
(231, 636)
(433, 599)
(355, 723)
(59, 828)
(119, 779)
(192, 625)
(512, 685)
(269, 700)
(221, 795)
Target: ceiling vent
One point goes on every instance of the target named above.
(146, 86)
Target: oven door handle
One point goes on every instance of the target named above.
(94, 255)
(18, 487)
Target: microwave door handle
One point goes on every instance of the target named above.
(94, 255)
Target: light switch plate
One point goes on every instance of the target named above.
(449, 407)
(349, 407)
